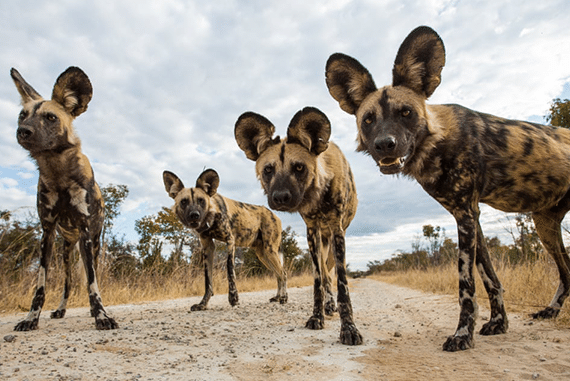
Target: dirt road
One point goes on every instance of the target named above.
(403, 330)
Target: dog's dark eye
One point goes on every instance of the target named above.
(406, 112)
(201, 202)
(299, 168)
(50, 117)
(268, 170)
(369, 119)
(23, 115)
(184, 202)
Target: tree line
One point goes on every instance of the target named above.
(435, 249)
(164, 245)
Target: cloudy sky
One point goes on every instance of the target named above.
(171, 77)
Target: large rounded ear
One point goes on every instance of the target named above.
(73, 91)
(172, 183)
(348, 81)
(253, 133)
(310, 128)
(208, 181)
(26, 91)
(419, 62)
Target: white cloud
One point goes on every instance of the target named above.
(171, 77)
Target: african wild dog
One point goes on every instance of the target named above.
(306, 173)
(69, 200)
(215, 217)
(460, 157)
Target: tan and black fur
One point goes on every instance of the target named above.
(306, 173)
(461, 158)
(69, 200)
(215, 217)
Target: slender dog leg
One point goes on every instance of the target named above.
(548, 229)
(102, 320)
(208, 248)
(463, 337)
(31, 321)
(349, 334)
(498, 322)
(67, 251)
(327, 263)
(233, 296)
(317, 321)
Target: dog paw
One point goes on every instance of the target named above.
(330, 308)
(198, 307)
(106, 323)
(315, 322)
(233, 299)
(57, 314)
(458, 343)
(349, 335)
(280, 299)
(494, 328)
(27, 325)
(547, 313)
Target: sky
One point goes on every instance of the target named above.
(171, 77)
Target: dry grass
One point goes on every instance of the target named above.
(528, 286)
(181, 283)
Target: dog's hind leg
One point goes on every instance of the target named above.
(317, 321)
(31, 321)
(67, 257)
(270, 257)
(547, 225)
(327, 265)
(207, 248)
(498, 322)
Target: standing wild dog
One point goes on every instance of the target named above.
(460, 157)
(215, 217)
(69, 200)
(306, 173)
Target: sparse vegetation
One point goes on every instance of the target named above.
(129, 272)
(528, 274)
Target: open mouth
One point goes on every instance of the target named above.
(391, 161)
(392, 165)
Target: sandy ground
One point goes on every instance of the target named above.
(403, 330)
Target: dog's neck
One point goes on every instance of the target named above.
(58, 167)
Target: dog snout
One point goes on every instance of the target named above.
(282, 197)
(385, 145)
(23, 133)
(194, 215)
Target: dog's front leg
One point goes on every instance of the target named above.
(31, 321)
(233, 297)
(102, 320)
(349, 334)
(467, 233)
(317, 321)
(207, 247)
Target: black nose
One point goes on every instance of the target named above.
(385, 145)
(282, 197)
(23, 133)
(194, 215)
